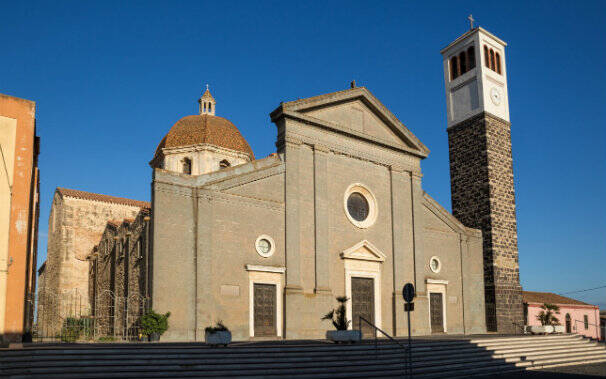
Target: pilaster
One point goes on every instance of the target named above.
(399, 190)
(203, 263)
(293, 257)
(322, 227)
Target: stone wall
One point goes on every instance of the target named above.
(76, 223)
(118, 277)
(483, 196)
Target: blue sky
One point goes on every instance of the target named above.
(110, 78)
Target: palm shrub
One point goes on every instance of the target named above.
(337, 316)
(154, 323)
(547, 315)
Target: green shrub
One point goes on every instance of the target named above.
(72, 329)
(106, 339)
(153, 322)
(337, 316)
(219, 327)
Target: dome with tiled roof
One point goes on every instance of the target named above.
(205, 128)
(208, 129)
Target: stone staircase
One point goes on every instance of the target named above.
(431, 358)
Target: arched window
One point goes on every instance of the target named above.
(486, 57)
(492, 65)
(498, 59)
(224, 164)
(471, 58)
(463, 62)
(187, 166)
(454, 68)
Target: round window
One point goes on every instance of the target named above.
(357, 206)
(434, 264)
(265, 246)
(360, 206)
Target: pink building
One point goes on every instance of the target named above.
(578, 317)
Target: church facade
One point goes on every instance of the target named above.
(265, 246)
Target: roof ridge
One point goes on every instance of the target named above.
(85, 195)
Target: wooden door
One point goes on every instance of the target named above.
(436, 311)
(363, 303)
(568, 323)
(264, 309)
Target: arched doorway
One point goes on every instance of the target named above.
(568, 323)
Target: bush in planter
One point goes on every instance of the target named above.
(154, 324)
(217, 335)
(341, 323)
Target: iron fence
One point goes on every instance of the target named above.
(69, 317)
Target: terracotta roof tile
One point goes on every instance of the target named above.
(213, 130)
(104, 198)
(549, 298)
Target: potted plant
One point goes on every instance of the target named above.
(341, 323)
(153, 325)
(549, 322)
(217, 335)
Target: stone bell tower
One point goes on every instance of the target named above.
(481, 167)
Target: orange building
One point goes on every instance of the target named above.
(19, 208)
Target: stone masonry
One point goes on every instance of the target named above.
(483, 197)
(119, 267)
(76, 223)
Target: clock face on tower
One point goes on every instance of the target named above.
(495, 95)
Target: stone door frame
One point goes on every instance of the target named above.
(437, 286)
(265, 275)
(363, 260)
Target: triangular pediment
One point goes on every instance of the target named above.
(356, 112)
(363, 251)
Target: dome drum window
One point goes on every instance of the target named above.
(224, 164)
(186, 166)
(360, 206)
(265, 246)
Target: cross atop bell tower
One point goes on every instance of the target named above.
(207, 103)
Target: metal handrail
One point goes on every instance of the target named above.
(408, 362)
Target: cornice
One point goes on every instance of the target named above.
(476, 118)
(357, 154)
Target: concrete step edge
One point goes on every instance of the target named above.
(542, 352)
(542, 362)
(541, 348)
(568, 364)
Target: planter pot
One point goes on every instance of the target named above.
(559, 329)
(218, 338)
(154, 337)
(540, 329)
(344, 335)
